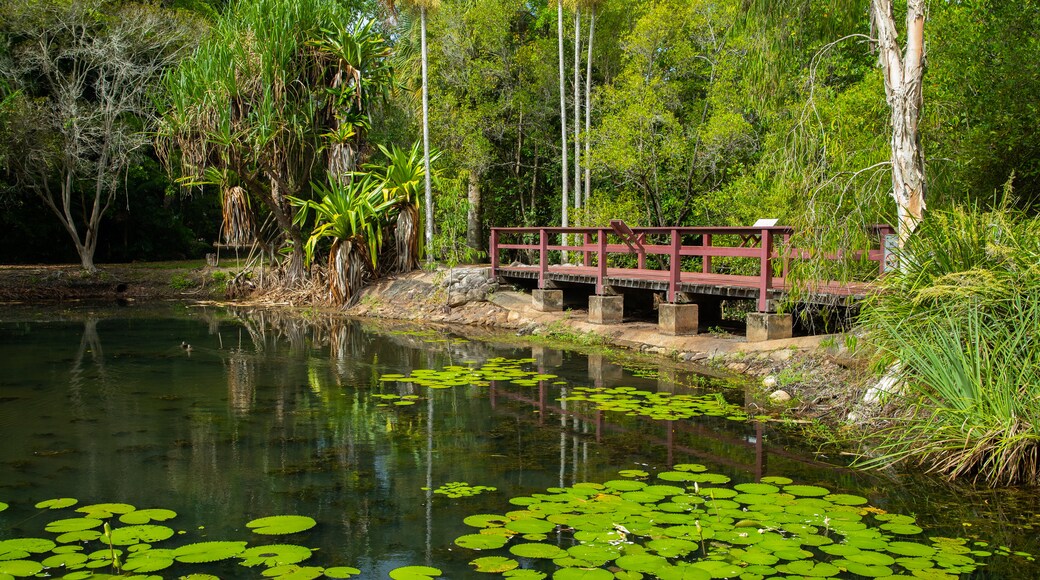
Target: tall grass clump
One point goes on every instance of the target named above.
(960, 323)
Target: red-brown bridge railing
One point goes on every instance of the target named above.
(555, 249)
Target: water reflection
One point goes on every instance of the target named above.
(272, 414)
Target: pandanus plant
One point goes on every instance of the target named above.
(353, 215)
(403, 181)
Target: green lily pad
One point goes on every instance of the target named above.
(294, 572)
(806, 490)
(274, 555)
(912, 549)
(525, 574)
(128, 535)
(3, 506)
(582, 574)
(494, 564)
(30, 545)
(530, 526)
(809, 568)
(481, 541)
(106, 510)
(144, 563)
(56, 504)
(279, 525)
(73, 525)
(342, 572)
(201, 552)
(537, 550)
(414, 573)
(20, 568)
(80, 536)
(147, 515)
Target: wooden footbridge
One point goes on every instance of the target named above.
(685, 264)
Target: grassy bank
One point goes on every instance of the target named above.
(960, 329)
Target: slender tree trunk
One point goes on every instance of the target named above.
(588, 108)
(903, 75)
(577, 107)
(426, 137)
(563, 114)
(474, 230)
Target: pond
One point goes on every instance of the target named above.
(390, 438)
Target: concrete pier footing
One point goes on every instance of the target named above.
(678, 319)
(547, 300)
(606, 309)
(762, 326)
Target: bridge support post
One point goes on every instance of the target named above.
(677, 319)
(546, 300)
(606, 309)
(762, 326)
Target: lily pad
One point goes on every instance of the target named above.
(481, 541)
(208, 551)
(414, 573)
(582, 574)
(106, 510)
(20, 568)
(342, 572)
(494, 564)
(275, 555)
(279, 525)
(129, 535)
(56, 504)
(73, 525)
(537, 550)
(147, 515)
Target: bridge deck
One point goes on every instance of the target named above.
(686, 254)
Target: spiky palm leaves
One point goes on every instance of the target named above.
(361, 214)
(353, 216)
(404, 177)
(266, 94)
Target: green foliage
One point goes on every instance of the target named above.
(693, 525)
(953, 318)
(357, 210)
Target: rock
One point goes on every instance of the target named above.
(781, 355)
(769, 381)
(779, 397)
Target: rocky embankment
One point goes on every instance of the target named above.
(813, 375)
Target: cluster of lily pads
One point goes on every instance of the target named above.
(116, 539)
(658, 406)
(396, 400)
(689, 525)
(457, 489)
(495, 369)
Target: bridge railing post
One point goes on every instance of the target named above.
(493, 245)
(543, 257)
(601, 253)
(675, 265)
(586, 251)
(706, 259)
(765, 281)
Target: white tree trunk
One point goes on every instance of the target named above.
(588, 109)
(474, 231)
(563, 115)
(426, 138)
(903, 72)
(577, 107)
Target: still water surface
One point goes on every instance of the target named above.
(273, 415)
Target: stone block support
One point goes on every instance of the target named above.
(606, 309)
(547, 300)
(762, 326)
(677, 319)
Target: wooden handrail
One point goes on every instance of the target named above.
(756, 242)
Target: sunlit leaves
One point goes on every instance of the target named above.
(279, 525)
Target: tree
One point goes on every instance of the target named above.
(577, 102)
(593, 6)
(903, 72)
(87, 71)
(563, 113)
(424, 7)
(277, 84)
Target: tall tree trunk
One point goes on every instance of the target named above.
(588, 108)
(563, 114)
(903, 74)
(577, 106)
(426, 137)
(474, 229)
